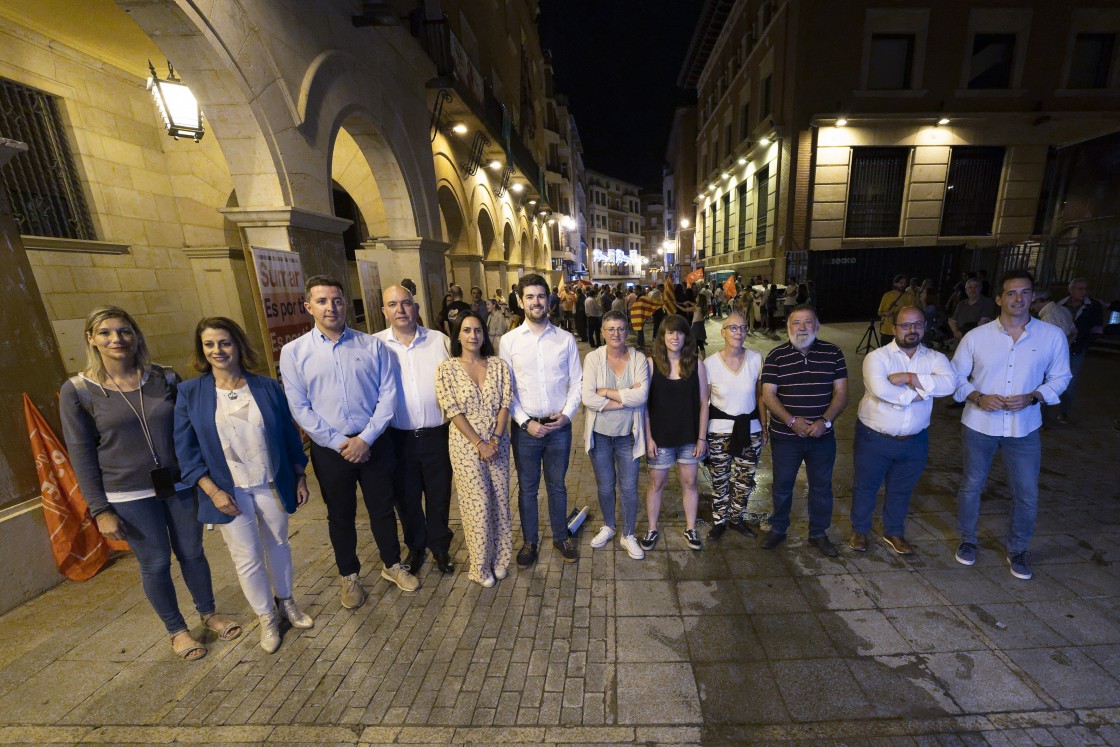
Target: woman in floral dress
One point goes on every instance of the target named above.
(474, 390)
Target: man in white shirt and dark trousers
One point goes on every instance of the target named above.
(339, 384)
(547, 379)
(419, 432)
(1007, 367)
(891, 435)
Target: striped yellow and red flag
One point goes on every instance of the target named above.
(642, 309)
(669, 297)
(79, 549)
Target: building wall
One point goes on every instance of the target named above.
(784, 41)
(145, 192)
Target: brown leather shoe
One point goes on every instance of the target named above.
(898, 543)
(858, 542)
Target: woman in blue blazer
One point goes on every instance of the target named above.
(238, 446)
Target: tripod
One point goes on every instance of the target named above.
(870, 339)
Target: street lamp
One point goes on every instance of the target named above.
(177, 105)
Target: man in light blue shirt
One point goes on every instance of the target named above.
(340, 386)
(1007, 367)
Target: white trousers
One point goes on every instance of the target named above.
(258, 544)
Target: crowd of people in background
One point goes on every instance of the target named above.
(407, 412)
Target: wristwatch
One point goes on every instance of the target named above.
(525, 426)
(827, 424)
(1034, 400)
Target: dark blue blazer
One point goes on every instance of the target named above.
(200, 450)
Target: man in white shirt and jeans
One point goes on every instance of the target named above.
(547, 381)
(1007, 367)
(892, 437)
(418, 431)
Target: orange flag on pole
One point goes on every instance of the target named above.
(692, 277)
(79, 549)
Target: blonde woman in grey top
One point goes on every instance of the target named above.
(615, 387)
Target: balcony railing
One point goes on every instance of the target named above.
(453, 62)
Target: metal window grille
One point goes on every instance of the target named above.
(41, 184)
(703, 232)
(715, 226)
(726, 223)
(971, 191)
(876, 181)
(742, 217)
(762, 205)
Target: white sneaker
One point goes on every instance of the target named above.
(602, 538)
(501, 573)
(633, 549)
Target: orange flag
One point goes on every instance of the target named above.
(79, 549)
(692, 277)
(729, 287)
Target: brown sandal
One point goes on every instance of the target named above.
(191, 650)
(225, 628)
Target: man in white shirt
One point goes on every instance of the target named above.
(1006, 368)
(339, 384)
(547, 379)
(419, 432)
(892, 436)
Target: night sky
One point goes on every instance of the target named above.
(617, 61)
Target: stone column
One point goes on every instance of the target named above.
(224, 288)
(30, 362)
(496, 275)
(418, 258)
(316, 237)
(466, 271)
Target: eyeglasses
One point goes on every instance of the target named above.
(736, 328)
(911, 326)
(614, 331)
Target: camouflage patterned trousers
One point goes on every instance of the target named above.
(733, 481)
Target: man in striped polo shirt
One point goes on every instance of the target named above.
(805, 388)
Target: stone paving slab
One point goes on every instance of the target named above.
(732, 645)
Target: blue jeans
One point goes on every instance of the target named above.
(612, 459)
(819, 455)
(900, 463)
(1075, 364)
(529, 455)
(1023, 459)
(154, 529)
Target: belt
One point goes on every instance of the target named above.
(543, 420)
(888, 435)
(424, 432)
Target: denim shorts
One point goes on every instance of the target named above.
(668, 456)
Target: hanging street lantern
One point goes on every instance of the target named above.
(177, 105)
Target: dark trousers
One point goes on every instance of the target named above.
(819, 455)
(897, 462)
(423, 467)
(338, 481)
(594, 330)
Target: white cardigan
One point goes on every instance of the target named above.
(595, 377)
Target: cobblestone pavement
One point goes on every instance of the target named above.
(730, 645)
